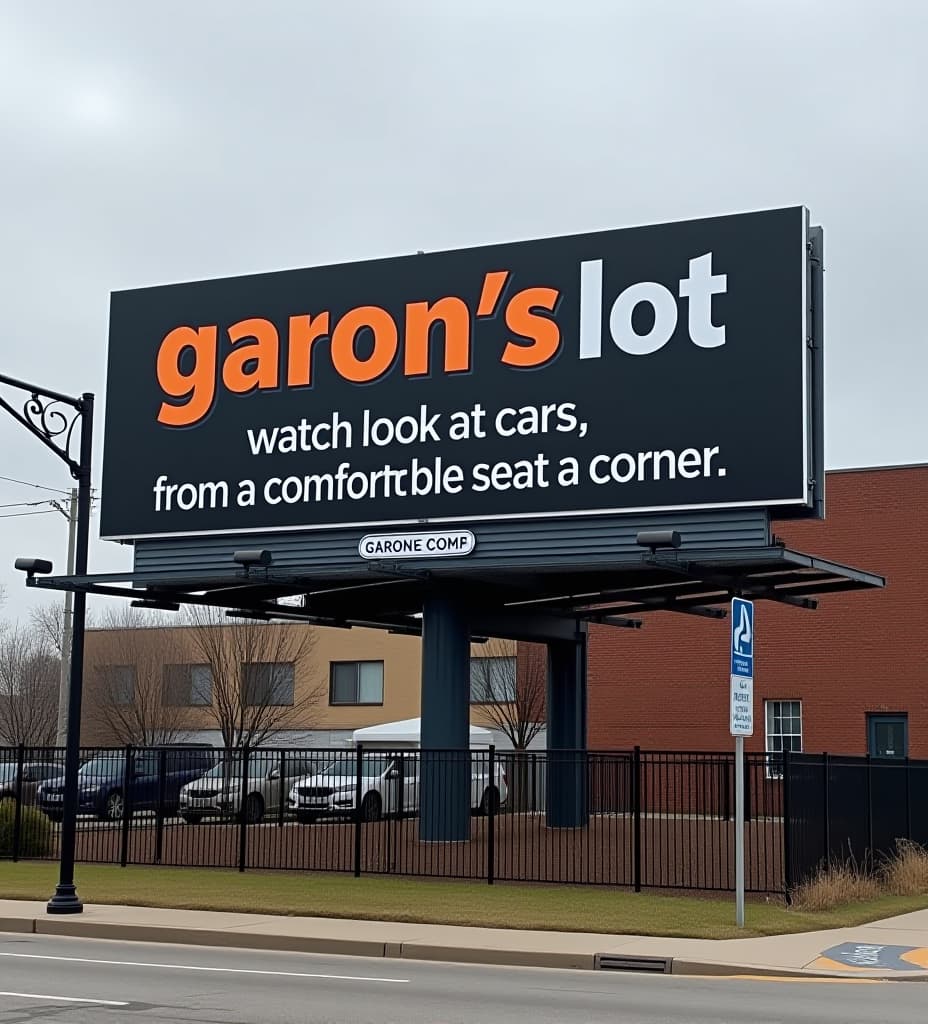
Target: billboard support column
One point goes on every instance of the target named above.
(445, 783)
(566, 731)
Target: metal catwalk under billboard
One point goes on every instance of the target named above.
(651, 368)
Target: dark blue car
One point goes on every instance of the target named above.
(102, 789)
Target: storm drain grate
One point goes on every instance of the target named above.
(647, 964)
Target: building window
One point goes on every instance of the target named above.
(187, 686)
(784, 732)
(119, 681)
(492, 680)
(888, 735)
(356, 682)
(268, 684)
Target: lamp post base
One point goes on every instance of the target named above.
(65, 901)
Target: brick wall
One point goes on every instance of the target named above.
(666, 686)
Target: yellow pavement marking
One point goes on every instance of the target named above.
(827, 964)
(917, 956)
(786, 979)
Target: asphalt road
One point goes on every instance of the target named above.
(86, 980)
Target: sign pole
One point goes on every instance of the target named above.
(739, 831)
(741, 724)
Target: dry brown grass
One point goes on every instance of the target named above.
(840, 884)
(835, 886)
(906, 874)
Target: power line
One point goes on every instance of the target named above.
(26, 504)
(27, 483)
(15, 515)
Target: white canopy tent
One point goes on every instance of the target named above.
(408, 733)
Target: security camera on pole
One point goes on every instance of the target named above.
(741, 724)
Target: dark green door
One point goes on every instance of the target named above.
(889, 736)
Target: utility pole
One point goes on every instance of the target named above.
(62, 737)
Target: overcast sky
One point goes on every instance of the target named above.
(149, 142)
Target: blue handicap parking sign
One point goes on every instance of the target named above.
(742, 638)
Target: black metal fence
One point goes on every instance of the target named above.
(635, 818)
(843, 809)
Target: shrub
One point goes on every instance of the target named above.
(35, 831)
(835, 885)
(906, 872)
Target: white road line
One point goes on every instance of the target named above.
(214, 970)
(62, 999)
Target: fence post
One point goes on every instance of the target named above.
(283, 794)
(636, 810)
(491, 818)
(787, 833)
(18, 809)
(826, 810)
(726, 790)
(243, 812)
(534, 767)
(159, 809)
(359, 770)
(400, 811)
(870, 809)
(128, 768)
(908, 802)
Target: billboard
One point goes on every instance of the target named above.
(651, 368)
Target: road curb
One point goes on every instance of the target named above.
(501, 957)
(220, 938)
(20, 925)
(563, 960)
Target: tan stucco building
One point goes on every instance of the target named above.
(304, 685)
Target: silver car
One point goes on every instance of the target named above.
(219, 792)
(388, 786)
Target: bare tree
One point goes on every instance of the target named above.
(254, 666)
(511, 690)
(48, 620)
(29, 672)
(126, 673)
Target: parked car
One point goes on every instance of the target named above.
(34, 773)
(102, 788)
(389, 786)
(219, 791)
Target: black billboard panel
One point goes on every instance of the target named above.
(659, 367)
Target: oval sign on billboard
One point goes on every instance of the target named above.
(434, 544)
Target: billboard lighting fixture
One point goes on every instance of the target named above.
(244, 613)
(155, 605)
(34, 566)
(253, 557)
(655, 539)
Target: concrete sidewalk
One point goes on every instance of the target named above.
(895, 949)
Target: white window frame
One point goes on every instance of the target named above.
(356, 665)
(177, 673)
(272, 687)
(773, 770)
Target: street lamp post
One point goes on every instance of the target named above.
(52, 417)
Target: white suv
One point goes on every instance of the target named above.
(389, 786)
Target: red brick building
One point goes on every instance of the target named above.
(850, 677)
